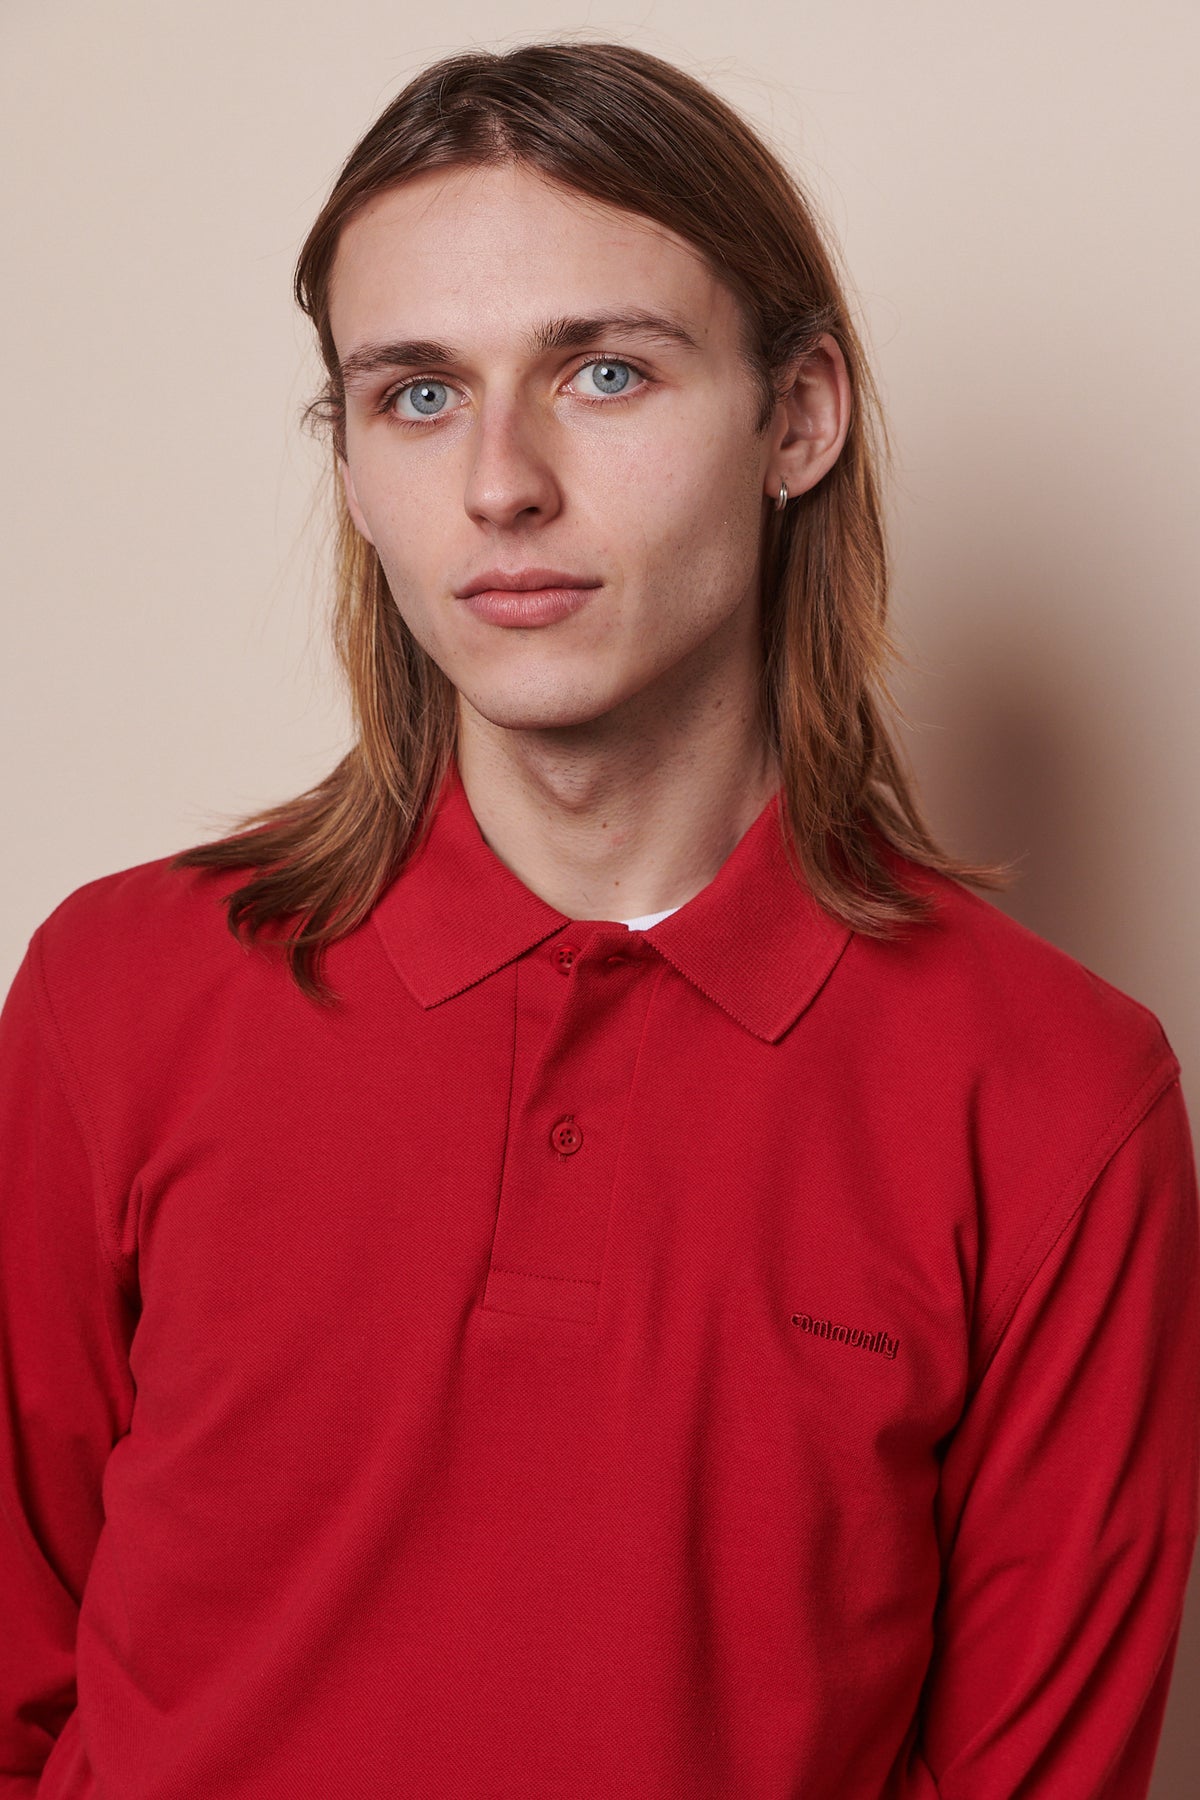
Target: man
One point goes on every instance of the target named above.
(692, 1301)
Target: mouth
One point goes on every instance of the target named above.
(524, 607)
(523, 581)
(524, 597)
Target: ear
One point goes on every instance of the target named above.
(811, 419)
(356, 512)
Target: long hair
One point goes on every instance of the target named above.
(631, 130)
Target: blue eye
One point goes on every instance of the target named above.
(611, 376)
(428, 397)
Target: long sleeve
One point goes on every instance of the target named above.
(1068, 1501)
(65, 1386)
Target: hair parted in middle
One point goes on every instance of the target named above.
(635, 132)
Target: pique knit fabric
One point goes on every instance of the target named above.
(738, 1360)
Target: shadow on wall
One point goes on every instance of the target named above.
(1032, 748)
(1177, 1769)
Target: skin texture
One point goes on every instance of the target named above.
(611, 758)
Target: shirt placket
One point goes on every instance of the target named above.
(573, 1077)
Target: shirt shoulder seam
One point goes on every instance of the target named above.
(1078, 1185)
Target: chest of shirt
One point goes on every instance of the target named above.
(578, 1180)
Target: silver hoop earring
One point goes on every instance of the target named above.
(782, 500)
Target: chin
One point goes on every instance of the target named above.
(538, 712)
(545, 718)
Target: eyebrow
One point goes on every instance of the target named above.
(553, 334)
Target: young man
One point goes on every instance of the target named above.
(692, 1301)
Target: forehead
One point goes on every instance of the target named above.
(460, 252)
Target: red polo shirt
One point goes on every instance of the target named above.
(737, 1360)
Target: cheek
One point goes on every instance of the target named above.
(397, 505)
(700, 511)
(405, 521)
(705, 468)
(406, 535)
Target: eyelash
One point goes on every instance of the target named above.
(393, 393)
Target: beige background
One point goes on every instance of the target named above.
(1013, 186)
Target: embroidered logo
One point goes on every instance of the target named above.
(878, 1341)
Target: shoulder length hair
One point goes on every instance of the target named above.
(629, 129)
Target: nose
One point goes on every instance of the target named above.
(511, 469)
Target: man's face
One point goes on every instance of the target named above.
(621, 458)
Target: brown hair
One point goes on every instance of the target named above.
(635, 132)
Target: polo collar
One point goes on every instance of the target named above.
(753, 941)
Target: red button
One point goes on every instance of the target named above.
(566, 1136)
(564, 956)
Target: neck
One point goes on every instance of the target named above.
(614, 831)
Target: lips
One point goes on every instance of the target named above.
(525, 607)
(522, 581)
